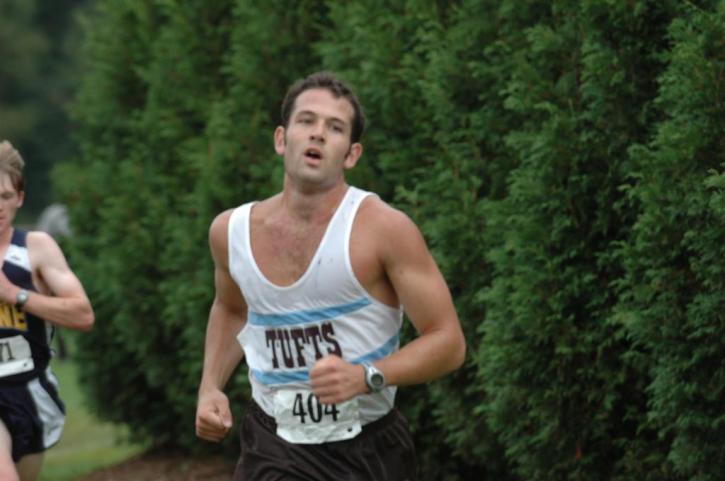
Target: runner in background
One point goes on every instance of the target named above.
(38, 291)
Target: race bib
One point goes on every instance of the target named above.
(15, 356)
(303, 419)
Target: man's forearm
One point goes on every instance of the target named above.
(425, 358)
(222, 352)
(71, 312)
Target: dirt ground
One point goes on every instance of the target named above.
(157, 466)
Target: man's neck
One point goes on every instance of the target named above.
(5, 237)
(314, 205)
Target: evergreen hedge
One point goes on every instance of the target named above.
(563, 159)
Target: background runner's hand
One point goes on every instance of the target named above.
(213, 417)
(8, 290)
(335, 380)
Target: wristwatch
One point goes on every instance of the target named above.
(21, 298)
(374, 378)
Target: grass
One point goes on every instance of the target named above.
(87, 443)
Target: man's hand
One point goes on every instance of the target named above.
(8, 290)
(335, 380)
(213, 417)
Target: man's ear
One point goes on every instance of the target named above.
(21, 198)
(353, 155)
(279, 140)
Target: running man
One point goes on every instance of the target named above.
(38, 291)
(311, 286)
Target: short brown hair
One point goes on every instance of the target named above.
(338, 88)
(12, 164)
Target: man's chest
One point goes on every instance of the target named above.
(284, 253)
(18, 264)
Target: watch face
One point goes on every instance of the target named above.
(377, 380)
(374, 378)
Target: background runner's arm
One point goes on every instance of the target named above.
(63, 301)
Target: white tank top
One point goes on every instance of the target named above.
(326, 311)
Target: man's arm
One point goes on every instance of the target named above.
(222, 352)
(440, 346)
(406, 262)
(62, 299)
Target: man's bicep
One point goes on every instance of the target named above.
(62, 282)
(53, 269)
(228, 296)
(417, 280)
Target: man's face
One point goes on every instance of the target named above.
(10, 201)
(316, 143)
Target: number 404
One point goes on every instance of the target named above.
(313, 409)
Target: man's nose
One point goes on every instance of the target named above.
(318, 131)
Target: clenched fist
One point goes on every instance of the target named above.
(335, 380)
(213, 417)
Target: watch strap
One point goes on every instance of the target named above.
(21, 298)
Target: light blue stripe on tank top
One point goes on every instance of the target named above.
(284, 377)
(384, 350)
(308, 316)
(270, 377)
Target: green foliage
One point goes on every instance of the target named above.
(560, 393)
(673, 293)
(37, 74)
(19, 65)
(562, 159)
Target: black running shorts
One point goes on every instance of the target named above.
(383, 451)
(33, 414)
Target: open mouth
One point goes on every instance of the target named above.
(313, 153)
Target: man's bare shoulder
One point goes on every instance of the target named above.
(220, 222)
(41, 244)
(389, 231)
(218, 234)
(379, 216)
(39, 237)
(45, 253)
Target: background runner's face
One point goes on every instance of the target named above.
(316, 143)
(10, 202)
